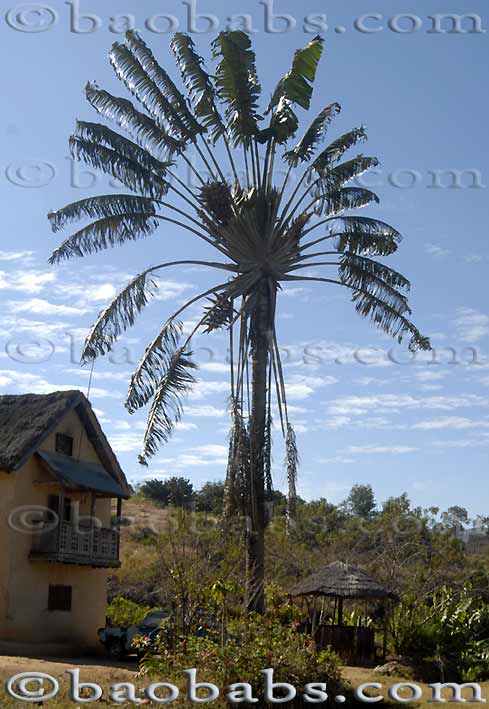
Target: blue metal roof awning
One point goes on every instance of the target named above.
(80, 474)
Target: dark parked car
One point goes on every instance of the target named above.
(119, 641)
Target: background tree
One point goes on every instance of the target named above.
(261, 229)
(360, 502)
(210, 498)
(455, 518)
(175, 491)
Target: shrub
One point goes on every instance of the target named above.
(253, 645)
(121, 612)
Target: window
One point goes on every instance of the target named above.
(59, 598)
(64, 444)
(65, 514)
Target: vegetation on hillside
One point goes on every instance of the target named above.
(179, 559)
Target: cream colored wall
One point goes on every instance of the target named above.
(24, 584)
(7, 491)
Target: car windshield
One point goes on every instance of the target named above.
(155, 618)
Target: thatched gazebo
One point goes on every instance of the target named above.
(341, 581)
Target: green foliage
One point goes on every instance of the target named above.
(210, 498)
(237, 84)
(454, 628)
(175, 491)
(361, 502)
(253, 645)
(122, 612)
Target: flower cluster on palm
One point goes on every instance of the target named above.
(263, 233)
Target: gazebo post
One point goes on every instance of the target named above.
(340, 611)
(314, 618)
(386, 624)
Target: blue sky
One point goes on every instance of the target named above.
(363, 415)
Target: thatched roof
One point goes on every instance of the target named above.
(26, 420)
(341, 580)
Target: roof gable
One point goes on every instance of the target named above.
(26, 420)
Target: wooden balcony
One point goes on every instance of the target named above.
(69, 544)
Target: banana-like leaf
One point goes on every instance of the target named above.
(297, 85)
(338, 148)
(130, 71)
(284, 124)
(389, 319)
(237, 84)
(143, 129)
(352, 264)
(165, 84)
(198, 83)
(118, 316)
(105, 233)
(124, 169)
(155, 361)
(109, 205)
(343, 173)
(343, 199)
(166, 410)
(314, 134)
(370, 282)
(98, 133)
(365, 236)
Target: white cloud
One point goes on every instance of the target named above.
(215, 367)
(203, 388)
(471, 324)
(450, 422)
(436, 250)
(361, 405)
(341, 459)
(380, 450)
(205, 411)
(39, 306)
(205, 455)
(15, 255)
(481, 441)
(104, 292)
(25, 382)
(26, 282)
(299, 387)
(126, 442)
(431, 375)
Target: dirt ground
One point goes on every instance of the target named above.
(99, 670)
(360, 675)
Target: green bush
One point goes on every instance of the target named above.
(453, 628)
(250, 645)
(121, 612)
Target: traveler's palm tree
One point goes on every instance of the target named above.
(264, 233)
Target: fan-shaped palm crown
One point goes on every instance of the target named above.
(264, 233)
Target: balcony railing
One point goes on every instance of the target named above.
(75, 544)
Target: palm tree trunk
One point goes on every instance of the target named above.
(260, 328)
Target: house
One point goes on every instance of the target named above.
(58, 477)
